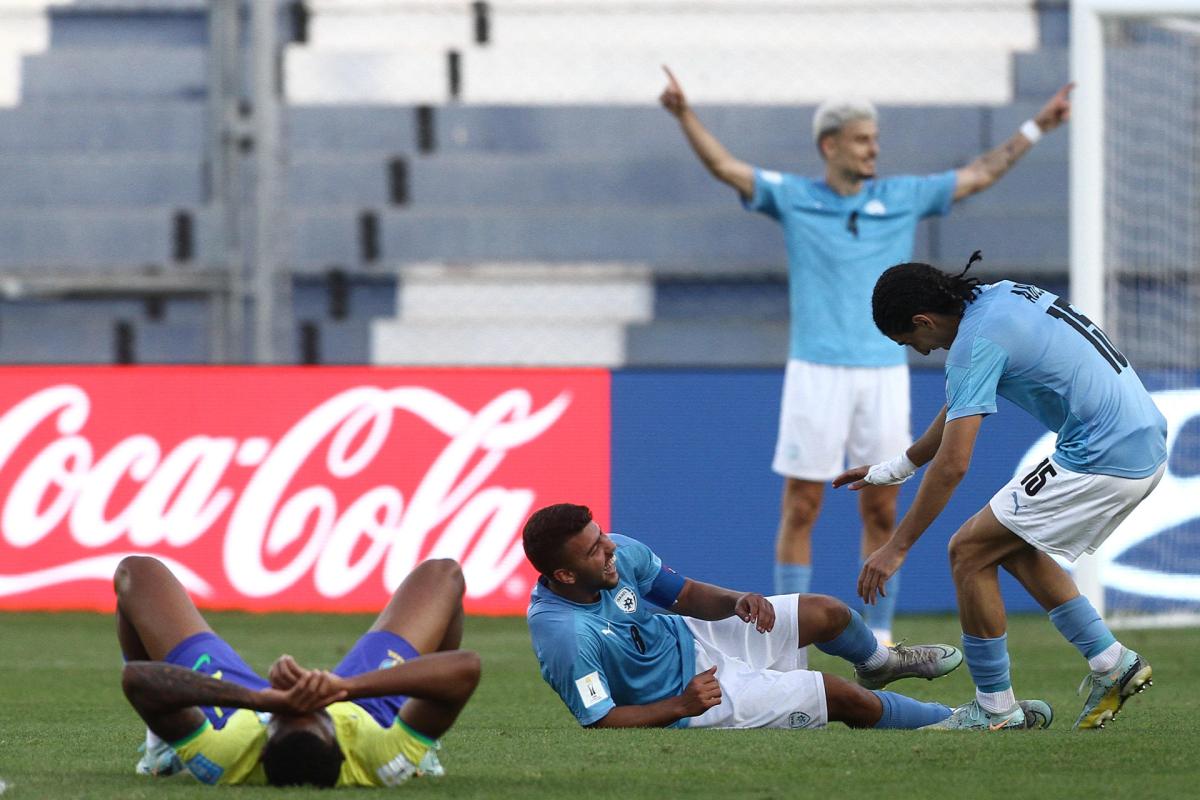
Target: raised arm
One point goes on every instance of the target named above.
(702, 693)
(719, 161)
(937, 486)
(987, 168)
(168, 697)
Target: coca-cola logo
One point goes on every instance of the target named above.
(341, 503)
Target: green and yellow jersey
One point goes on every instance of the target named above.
(375, 755)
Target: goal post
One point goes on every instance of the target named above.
(1135, 269)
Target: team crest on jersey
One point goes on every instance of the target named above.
(626, 600)
(798, 719)
(875, 207)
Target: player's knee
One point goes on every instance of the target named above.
(824, 616)
(963, 553)
(131, 570)
(445, 572)
(800, 509)
(879, 515)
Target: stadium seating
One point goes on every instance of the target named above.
(103, 164)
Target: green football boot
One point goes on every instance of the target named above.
(1110, 690)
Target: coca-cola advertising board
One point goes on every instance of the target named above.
(299, 489)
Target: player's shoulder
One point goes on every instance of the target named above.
(788, 183)
(906, 184)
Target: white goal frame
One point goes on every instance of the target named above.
(1087, 257)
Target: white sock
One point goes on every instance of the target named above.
(152, 740)
(996, 702)
(1107, 659)
(883, 635)
(878, 658)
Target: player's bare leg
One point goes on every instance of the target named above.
(1117, 672)
(427, 610)
(976, 551)
(877, 507)
(154, 614)
(793, 545)
(154, 611)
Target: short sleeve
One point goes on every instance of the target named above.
(768, 190)
(637, 562)
(971, 389)
(935, 193)
(580, 681)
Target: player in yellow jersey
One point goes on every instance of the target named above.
(371, 721)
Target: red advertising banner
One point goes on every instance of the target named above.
(298, 489)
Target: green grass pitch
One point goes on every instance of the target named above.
(66, 731)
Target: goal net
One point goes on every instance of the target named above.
(1135, 197)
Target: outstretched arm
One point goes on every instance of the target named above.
(920, 453)
(941, 479)
(168, 697)
(702, 693)
(705, 601)
(987, 168)
(719, 161)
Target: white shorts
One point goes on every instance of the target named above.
(763, 676)
(832, 417)
(1068, 513)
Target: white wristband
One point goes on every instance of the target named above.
(889, 473)
(1031, 131)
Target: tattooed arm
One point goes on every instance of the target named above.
(168, 697)
(987, 168)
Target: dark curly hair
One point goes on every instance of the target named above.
(906, 290)
(548, 530)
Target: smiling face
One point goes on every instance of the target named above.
(589, 562)
(851, 150)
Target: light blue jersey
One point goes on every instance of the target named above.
(1035, 349)
(837, 247)
(619, 650)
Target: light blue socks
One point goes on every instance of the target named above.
(792, 578)
(904, 712)
(1080, 624)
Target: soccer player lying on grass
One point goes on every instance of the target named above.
(1038, 351)
(373, 721)
(723, 660)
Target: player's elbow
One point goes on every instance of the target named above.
(950, 471)
(467, 669)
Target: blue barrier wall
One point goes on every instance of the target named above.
(692, 478)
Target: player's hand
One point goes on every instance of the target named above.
(314, 690)
(285, 672)
(857, 478)
(879, 566)
(672, 98)
(702, 693)
(1056, 111)
(752, 607)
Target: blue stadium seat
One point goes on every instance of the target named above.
(95, 73)
(91, 126)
